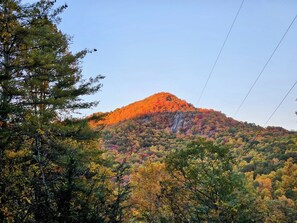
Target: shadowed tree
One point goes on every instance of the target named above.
(44, 152)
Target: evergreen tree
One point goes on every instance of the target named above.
(45, 154)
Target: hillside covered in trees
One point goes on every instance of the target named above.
(157, 160)
(162, 124)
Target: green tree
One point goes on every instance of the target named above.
(44, 152)
(207, 186)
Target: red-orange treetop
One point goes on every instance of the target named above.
(157, 103)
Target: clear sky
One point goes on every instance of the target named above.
(149, 46)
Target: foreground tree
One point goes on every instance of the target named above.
(47, 157)
(146, 197)
(207, 187)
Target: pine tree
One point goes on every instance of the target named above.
(45, 153)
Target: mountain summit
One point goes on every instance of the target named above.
(157, 103)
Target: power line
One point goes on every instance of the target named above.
(264, 67)
(219, 54)
(260, 131)
(280, 103)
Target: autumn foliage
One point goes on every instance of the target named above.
(157, 160)
(157, 103)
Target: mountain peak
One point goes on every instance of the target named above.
(162, 95)
(157, 103)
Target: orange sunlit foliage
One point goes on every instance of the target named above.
(157, 103)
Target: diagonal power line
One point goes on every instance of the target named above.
(264, 67)
(220, 52)
(280, 103)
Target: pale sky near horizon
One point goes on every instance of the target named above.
(145, 47)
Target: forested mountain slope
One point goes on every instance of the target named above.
(145, 133)
(161, 122)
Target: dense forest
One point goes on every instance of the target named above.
(170, 142)
(156, 160)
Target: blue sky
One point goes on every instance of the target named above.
(149, 46)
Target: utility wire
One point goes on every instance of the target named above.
(264, 67)
(284, 98)
(259, 131)
(280, 103)
(218, 56)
